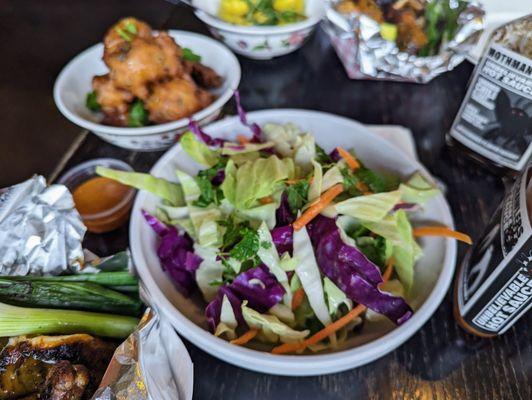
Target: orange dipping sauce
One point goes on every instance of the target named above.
(103, 203)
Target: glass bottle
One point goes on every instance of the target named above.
(494, 123)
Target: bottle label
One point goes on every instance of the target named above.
(495, 118)
(494, 286)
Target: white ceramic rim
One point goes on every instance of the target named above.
(259, 30)
(292, 364)
(229, 57)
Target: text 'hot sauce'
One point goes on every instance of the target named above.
(493, 287)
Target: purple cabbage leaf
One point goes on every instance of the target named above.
(254, 127)
(256, 285)
(176, 254)
(352, 272)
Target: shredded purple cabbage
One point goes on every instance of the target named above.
(335, 156)
(283, 214)
(206, 138)
(283, 238)
(326, 231)
(175, 251)
(261, 297)
(214, 308)
(236, 147)
(352, 272)
(406, 206)
(219, 177)
(256, 285)
(255, 128)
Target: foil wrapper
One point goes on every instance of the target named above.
(40, 230)
(366, 55)
(152, 364)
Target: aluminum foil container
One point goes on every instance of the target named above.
(152, 364)
(40, 230)
(366, 55)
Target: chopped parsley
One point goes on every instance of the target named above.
(297, 195)
(209, 192)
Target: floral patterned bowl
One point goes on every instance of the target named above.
(265, 42)
(74, 82)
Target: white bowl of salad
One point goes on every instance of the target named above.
(291, 242)
(261, 30)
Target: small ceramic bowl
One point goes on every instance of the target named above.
(108, 219)
(265, 42)
(74, 82)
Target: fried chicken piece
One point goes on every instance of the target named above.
(204, 76)
(114, 102)
(138, 62)
(150, 67)
(175, 99)
(116, 37)
(346, 7)
(366, 7)
(109, 97)
(134, 69)
(173, 54)
(410, 35)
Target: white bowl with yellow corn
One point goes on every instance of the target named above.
(261, 30)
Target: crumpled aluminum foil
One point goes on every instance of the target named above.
(152, 364)
(366, 55)
(40, 230)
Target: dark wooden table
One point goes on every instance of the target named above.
(440, 361)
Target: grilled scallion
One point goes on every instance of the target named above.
(119, 278)
(67, 295)
(15, 321)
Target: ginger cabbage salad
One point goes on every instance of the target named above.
(262, 12)
(287, 244)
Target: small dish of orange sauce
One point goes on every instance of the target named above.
(103, 203)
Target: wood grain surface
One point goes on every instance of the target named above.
(440, 361)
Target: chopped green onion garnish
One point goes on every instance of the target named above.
(123, 34)
(138, 115)
(131, 27)
(91, 102)
(189, 55)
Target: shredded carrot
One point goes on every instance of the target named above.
(323, 201)
(363, 188)
(298, 297)
(297, 180)
(442, 231)
(246, 337)
(349, 159)
(311, 180)
(323, 334)
(242, 139)
(266, 200)
(389, 270)
(292, 181)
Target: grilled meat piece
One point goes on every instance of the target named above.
(53, 367)
(65, 382)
